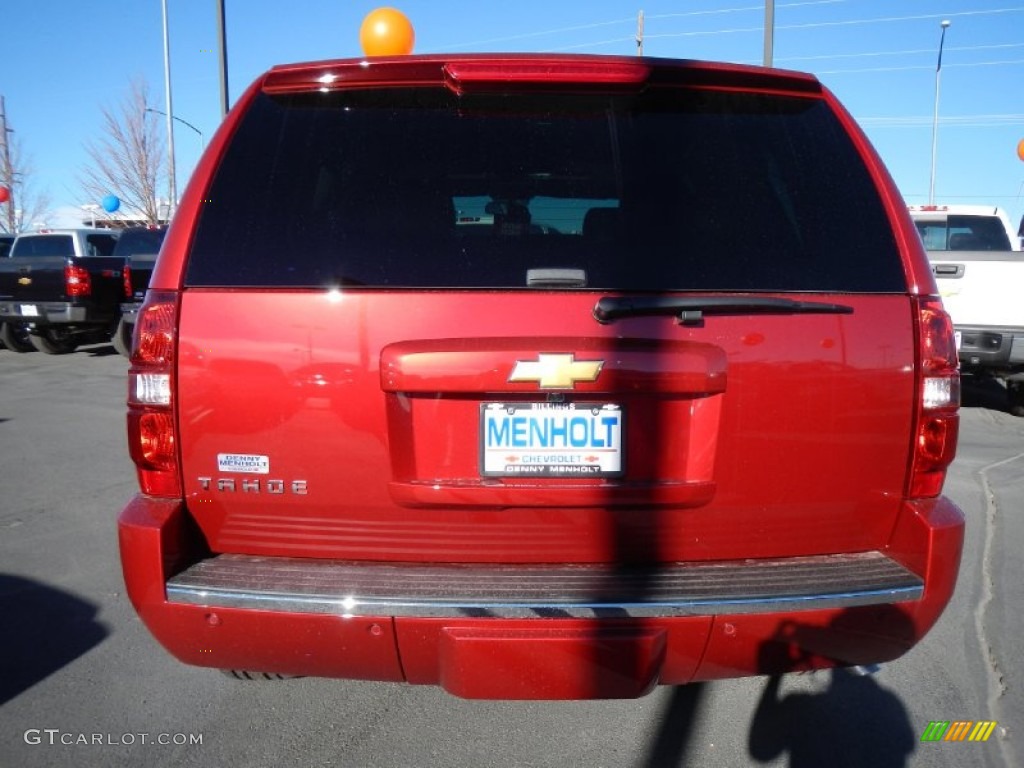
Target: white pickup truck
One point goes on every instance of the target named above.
(977, 259)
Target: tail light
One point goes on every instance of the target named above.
(76, 280)
(126, 280)
(152, 434)
(937, 422)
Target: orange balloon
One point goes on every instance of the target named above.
(1020, 149)
(386, 32)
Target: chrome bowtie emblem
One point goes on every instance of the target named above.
(556, 371)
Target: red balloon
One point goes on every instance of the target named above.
(5, 194)
(386, 32)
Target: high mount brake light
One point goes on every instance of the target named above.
(152, 436)
(461, 74)
(937, 422)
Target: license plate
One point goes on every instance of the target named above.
(29, 310)
(551, 440)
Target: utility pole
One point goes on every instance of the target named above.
(640, 34)
(7, 171)
(769, 31)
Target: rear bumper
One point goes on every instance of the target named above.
(43, 312)
(537, 631)
(983, 347)
(530, 591)
(46, 313)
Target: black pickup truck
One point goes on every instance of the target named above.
(138, 246)
(60, 288)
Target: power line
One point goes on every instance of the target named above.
(600, 44)
(760, 29)
(910, 52)
(546, 32)
(747, 9)
(962, 121)
(631, 21)
(909, 67)
(846, 23)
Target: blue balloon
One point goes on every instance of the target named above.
(110, 203)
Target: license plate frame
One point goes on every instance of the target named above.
(552, 440)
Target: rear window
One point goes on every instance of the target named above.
(100, 245)
(44, 245)
(140, 242)
(666, 189)
(963, 233)
(63, 245)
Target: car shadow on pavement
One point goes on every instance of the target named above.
(852, 721)
(984, 393)
(101, 350)
(841, 716)
(44, 629)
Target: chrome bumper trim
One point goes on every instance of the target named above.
(475, 590)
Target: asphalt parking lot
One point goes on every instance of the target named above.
(82, 683)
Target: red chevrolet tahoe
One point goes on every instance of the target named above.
(538, 376)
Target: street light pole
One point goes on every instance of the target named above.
(202, 141)
(172, 187)
(222, 47)
(935, 118)
(769, 31)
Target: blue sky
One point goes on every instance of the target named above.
(64, 60)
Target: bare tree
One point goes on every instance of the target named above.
(129, 161)
(25, 206)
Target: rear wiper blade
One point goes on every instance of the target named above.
(691, 310)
